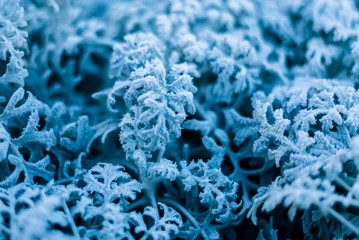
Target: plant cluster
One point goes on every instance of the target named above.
(179, 119)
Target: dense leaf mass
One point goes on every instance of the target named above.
(179, 119)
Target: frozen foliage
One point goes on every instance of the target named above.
(12, 42)
(307, 130)
(179, 119)
(25, 152)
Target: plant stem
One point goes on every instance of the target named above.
(136, 204)
(342, 183)
(344, 221)
(71, 220)
(160, 154)
(151, 196)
